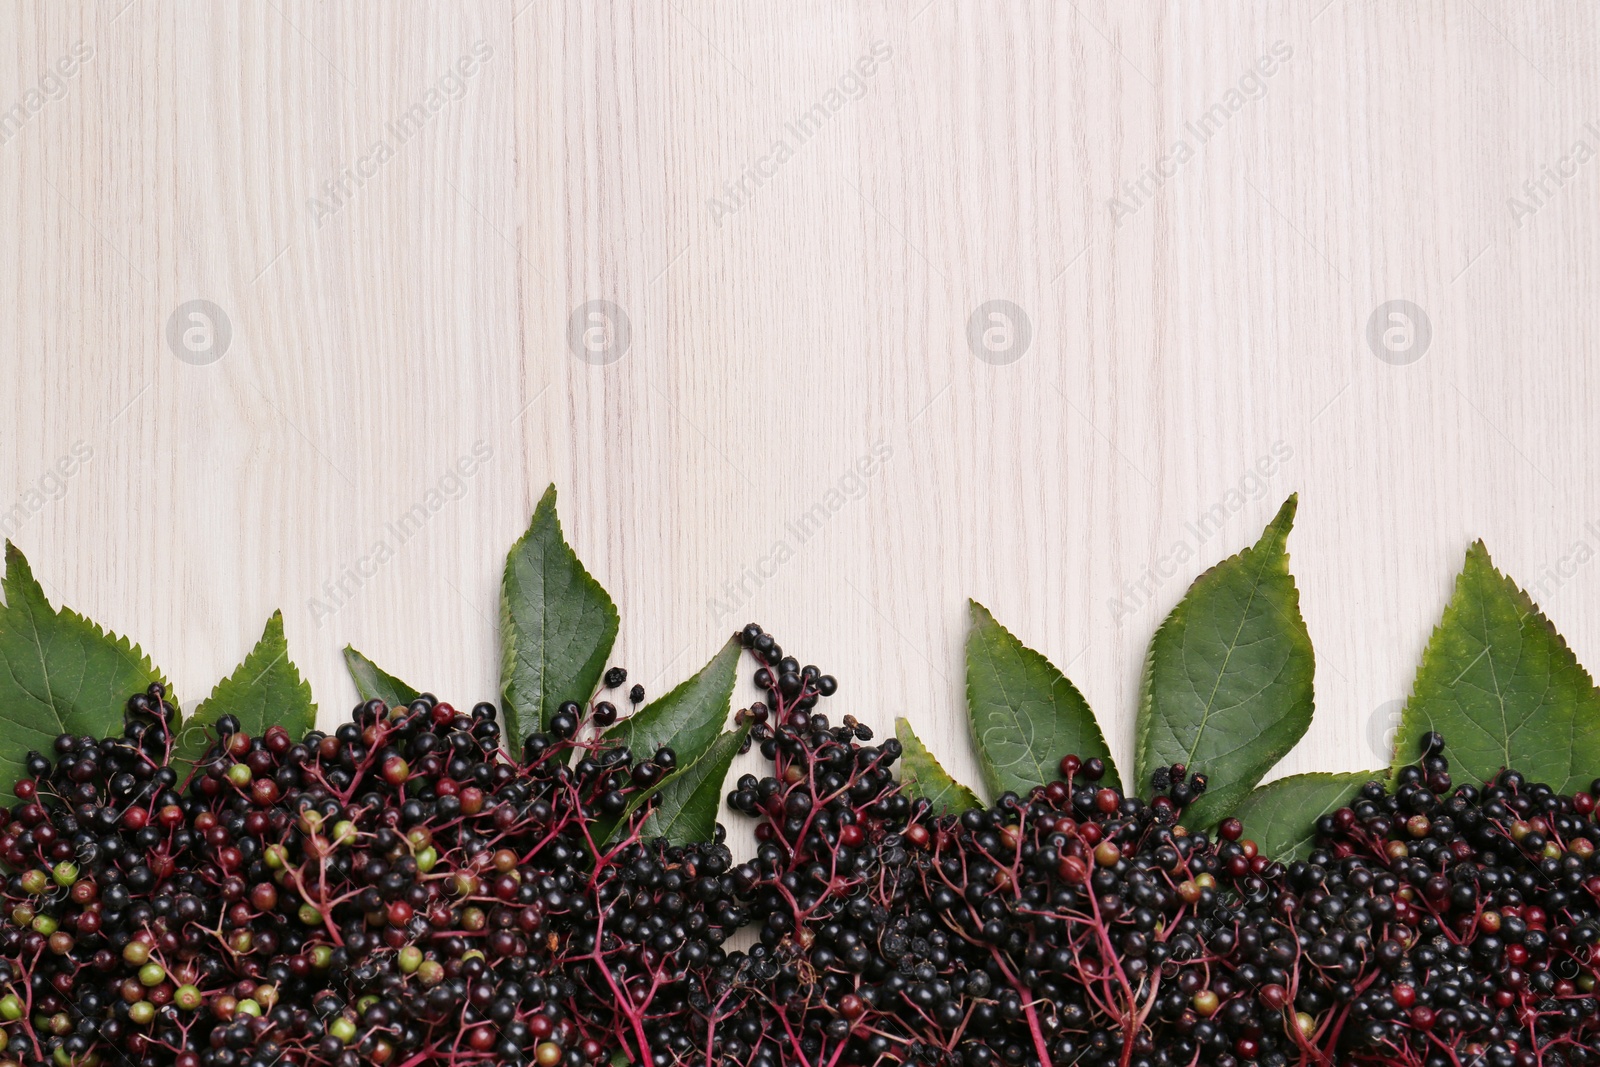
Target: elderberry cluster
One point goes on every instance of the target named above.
(395, 892)
(400, 892)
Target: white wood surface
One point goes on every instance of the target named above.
(777, 339)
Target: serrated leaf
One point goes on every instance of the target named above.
(1227, 685)
(687, 801)
(557, 626)
(1503, 688)
(59, 672)
(923, 777)
(265, 690)
(1024, 714)
(689, 718)
(375, 683)
(1281, 816)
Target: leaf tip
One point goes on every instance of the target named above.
(1278, 529)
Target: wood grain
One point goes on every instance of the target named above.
(798, 431)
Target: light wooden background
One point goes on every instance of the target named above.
(1218, 324)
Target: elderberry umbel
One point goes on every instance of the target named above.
(394, 892)
(400, 892)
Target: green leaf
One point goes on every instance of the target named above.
(1281, 817)
(688, 799)
(1025, 715)
(1503, 688)
(924, 778)
(59, 672)
(265, 690)
(374, 683)
(689, 718)
(1227, 683)
(557, 627)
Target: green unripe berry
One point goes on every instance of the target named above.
(410, 959)
(152, 974)
(275, 857)
(66, 873)
(10, 1008)
(427, 859)
(142, 1012)
(247, 1006)
(309, 915)
(343, 1029)
(35, 882)
(239, 775)
(322, 957)
(430, 972)
(23, 915)
(344, 832)
(44, 924)
(187, 997)
(136, 953)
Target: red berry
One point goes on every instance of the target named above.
(1072, 870)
